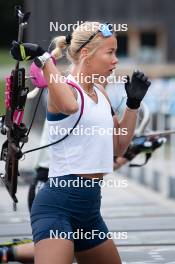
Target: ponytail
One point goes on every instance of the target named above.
(60, 44)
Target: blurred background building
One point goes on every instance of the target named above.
(149, 40)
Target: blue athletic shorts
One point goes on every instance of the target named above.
(68, 207)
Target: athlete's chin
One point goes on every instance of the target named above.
(104, 74)
(108, 74)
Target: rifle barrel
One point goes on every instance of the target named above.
(160, 133)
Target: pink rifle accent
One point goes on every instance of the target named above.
(18, 116)
(8, 91)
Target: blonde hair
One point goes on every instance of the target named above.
(79, 36)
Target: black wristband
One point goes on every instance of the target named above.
(133, 103)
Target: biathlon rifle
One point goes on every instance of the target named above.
(11, 123)
(146, 143)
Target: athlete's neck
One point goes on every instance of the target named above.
(83, 78)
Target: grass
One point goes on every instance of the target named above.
(5, 58)
(2, 107)
(5, 61)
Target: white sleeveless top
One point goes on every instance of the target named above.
(89, 148)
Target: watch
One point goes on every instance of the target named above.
(41, 60)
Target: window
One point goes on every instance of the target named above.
(148, 39)
(122, 46)
(149, 51)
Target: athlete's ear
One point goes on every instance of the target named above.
(84, 53)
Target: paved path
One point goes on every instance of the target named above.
(142, 221)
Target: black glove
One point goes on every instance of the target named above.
(136, 89)
(25, 51)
